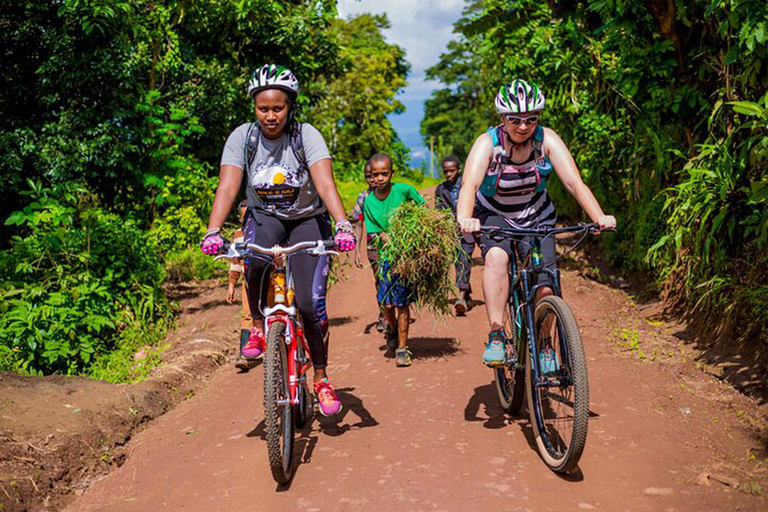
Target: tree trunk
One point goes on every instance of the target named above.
(665, 12)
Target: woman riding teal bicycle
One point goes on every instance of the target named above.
(504, 185)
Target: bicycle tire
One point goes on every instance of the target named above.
(510, 383)
(304, 410)
(277, 417)
(559, 445)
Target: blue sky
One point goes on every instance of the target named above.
(423, 28)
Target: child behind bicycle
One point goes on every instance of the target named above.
(358, 220)
(394, 294)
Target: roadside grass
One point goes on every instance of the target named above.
(138, 351)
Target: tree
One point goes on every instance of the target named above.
(352, 112)
(659, 102)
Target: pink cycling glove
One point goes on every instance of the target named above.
(345, 236)
(212, 242)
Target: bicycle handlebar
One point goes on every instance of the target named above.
(239, 250)
(543, 231)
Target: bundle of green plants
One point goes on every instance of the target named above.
(423, 246)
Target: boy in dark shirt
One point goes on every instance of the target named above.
(446, 196)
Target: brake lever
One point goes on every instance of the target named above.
(320, 250)
(232, 253)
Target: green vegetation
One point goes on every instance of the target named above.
(352, 115)
(663, 105)
(113, 114)
(423, 246)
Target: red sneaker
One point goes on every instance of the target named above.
(327, 398)
(254, 347)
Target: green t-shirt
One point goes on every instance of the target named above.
(377, 211)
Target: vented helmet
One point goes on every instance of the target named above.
(272, 76)
(519, 97)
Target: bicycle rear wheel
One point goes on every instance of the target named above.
(278, 412)
(558, 398)
(510, 382)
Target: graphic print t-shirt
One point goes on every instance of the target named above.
(278, 181)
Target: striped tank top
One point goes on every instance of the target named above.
(517, 192)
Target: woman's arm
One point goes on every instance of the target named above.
(230, 177)
(322, 175)
(565, 167)
(474, 171)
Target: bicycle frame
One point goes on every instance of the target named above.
(283, 310)
(524, 293)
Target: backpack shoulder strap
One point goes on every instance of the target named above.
(493, 131)
(538, 140)
(251, 146)
(297, 144)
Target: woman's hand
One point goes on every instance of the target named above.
(231, 293)
(345, 236)
(212, 242)
(358, 258)
(469, 226)
(606, 222)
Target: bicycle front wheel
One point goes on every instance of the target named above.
(302, 413)
(278, 411)
(510, 378)
(558, 398)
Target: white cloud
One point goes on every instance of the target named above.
(422, 27)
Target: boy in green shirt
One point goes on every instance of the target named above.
(394, 295)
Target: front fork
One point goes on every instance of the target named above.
(298, 366)
(528, 321)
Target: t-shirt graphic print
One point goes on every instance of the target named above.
(279, 181)
(278, 185)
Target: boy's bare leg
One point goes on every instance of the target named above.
(389, 316)
(403, 323)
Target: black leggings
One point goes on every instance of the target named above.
(310, 273)
(548, 251)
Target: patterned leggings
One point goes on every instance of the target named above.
(310, 273)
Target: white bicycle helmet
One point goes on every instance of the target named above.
(272, 76)
(519, 97)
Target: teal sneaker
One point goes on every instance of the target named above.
(547, 358)
(495, 353)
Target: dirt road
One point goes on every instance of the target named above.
(663, 434)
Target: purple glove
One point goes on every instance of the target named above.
(212, 242)
(345, 236)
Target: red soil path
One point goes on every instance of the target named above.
(664, 436)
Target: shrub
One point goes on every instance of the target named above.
(73, 279)
(190, 265)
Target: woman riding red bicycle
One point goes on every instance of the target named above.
(291, 192)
